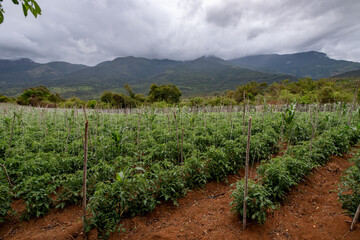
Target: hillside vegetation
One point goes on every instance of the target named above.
(200, 77)
(304, 91)
(307, 64)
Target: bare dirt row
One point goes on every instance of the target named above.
(311, 211)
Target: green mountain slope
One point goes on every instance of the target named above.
(202, 76)
(355, 73)
(18, 74)
(111, 76)
(307, 64)
(209, 75)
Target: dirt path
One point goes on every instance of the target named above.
(311, 211)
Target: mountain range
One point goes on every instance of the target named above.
(350, 74)
(311, 64)
(202, 76)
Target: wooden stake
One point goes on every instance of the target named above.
(169, 123)
(244, 111)
(353, 104)
(182, 143)
(246, 172)
(67, 138)
(12, 130)
(177, 135)
(356, 217)
(205, 118)
(7, 175)
(313, 126)
(96, 132)
(89, 135)
(340, 112)
(84, 109)
(85, 170)
(138, 133)
(281, 134)
(43, 122)
(231, 125)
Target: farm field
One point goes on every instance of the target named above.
(142, 165)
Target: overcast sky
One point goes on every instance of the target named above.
(91, 31)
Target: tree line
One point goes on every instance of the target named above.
(304, 91)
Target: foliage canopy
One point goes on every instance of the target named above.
(168, 93)
(27, 5)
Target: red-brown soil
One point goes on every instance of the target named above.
(311, 211)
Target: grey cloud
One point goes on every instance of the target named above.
(91, 31)
(225, 14)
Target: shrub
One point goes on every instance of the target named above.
(36, 193)
(349, 187)
(276, 178)
(298, 168)
(258, 201)
(170, 182)
(194, 171)
(5, 200)
(218, 165)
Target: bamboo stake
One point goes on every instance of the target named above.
(246, 172)
(84, 109)
(169, 123)
(126, 117)
(205, 118)
(281, 134)
(82, 140)
(340, 112)
(43, 120)
(313, 126)
(12, 130)
(66, 119)
(85, 171)
(67, 138)
(177, 135)
(353, 104)
(138, 133)
(244, 111)
(7, 175)
(182, 143)
(231, 124)
(89, 133)
(96, 132)
(356, 217)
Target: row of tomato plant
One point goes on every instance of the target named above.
(44, 157)
(349, 187)
(134, 159)
(278, 175)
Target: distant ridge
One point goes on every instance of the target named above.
(311, 64)
(355, 73)
(202, 76)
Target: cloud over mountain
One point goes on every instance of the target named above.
(91, 31)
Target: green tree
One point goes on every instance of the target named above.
(27, 5)
(118, 100)
(5, 99)
(106, 97)
(169, 93)
(38, 96)
(129, 90)
(251, 89)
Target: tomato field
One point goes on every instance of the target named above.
(139, 158)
